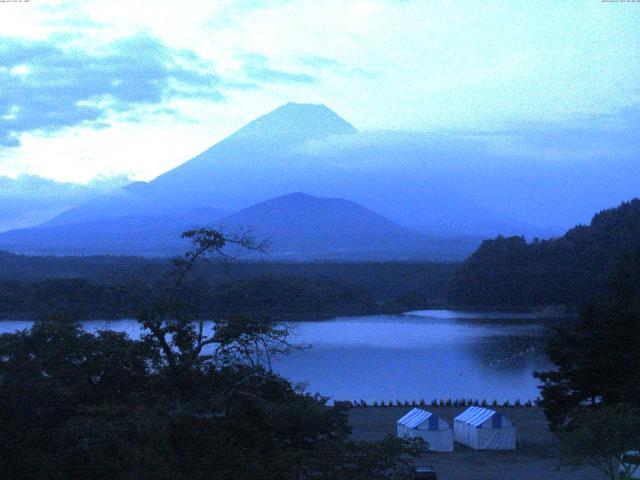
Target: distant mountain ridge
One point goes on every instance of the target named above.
(437, 183)
(303, 225)
(230, 174)
(573, 270)
(146, 235)
(265, 160)
(297, 226)
(30, 200)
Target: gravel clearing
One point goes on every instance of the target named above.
(534, 459)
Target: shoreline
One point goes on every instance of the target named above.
(538, 314)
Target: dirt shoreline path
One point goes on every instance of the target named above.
(534, 459)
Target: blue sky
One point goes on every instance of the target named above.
(96, 88)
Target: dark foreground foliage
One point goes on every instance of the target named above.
(181, 403)
(592, 397)
(598, 358)
(604, 438)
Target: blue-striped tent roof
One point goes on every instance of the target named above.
(417, 416)
(475, 416)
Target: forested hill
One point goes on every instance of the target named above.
(570, 270)
(104, 287)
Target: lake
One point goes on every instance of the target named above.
(417, 355)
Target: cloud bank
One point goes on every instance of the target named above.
(46, 86)
(29, 200)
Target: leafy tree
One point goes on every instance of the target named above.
(602, 437)
(597, 359)
(592, 397)
(182, 403)
(51, 373)
(572, 270)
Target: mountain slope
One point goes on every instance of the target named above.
(30, 200)
(249, 166)
(303, 225)
(149, 235)
(297, 226)
(266, 158)
(570, 270)
(255, 162)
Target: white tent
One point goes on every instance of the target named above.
(428, 426)
(484, 429)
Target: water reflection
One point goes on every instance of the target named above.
(442, 354)
(420, 355)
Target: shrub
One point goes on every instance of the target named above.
(448, 402)
(434, 402)
(484, 402)
(422, 402)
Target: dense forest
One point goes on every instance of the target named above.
(591, 395)
(168, 406)
(571, 270)
(282, 298)
(106, 287)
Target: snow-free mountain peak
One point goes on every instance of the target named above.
(297, 122)
(227, 173)
(307, 226)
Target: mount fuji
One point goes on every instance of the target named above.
(240, 178)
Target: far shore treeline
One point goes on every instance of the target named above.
(570, 271)
(108, 287)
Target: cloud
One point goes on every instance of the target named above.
(33, 186)
(554, 175)
(611, 136)
(320, 63)
(44, 86)
(257, 68)
(597, 138)
(29, 200)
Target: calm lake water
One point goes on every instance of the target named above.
(418, 355)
